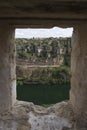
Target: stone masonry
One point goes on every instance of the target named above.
(71, 115)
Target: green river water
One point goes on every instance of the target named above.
(43, 94)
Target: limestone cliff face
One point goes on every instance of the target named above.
(24, 71)
(47, 51)
(35, 55)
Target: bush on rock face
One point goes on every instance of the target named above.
(49, 75)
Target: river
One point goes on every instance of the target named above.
(43, 94)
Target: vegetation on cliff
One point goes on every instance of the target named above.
(43, 70)
(45, 75)
(46, 51)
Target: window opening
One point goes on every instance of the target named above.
(43, 65)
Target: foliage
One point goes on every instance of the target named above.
(27, 50)
(38, 50)
(48, 75)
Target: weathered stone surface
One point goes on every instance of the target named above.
(44, 9)
(33, 117)
(42, 13)
(78, 95)
(7, 69)
(27, 116)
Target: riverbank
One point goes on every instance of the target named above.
(43, 75)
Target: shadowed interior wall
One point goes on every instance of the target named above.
(78, 94)
(7, 68)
